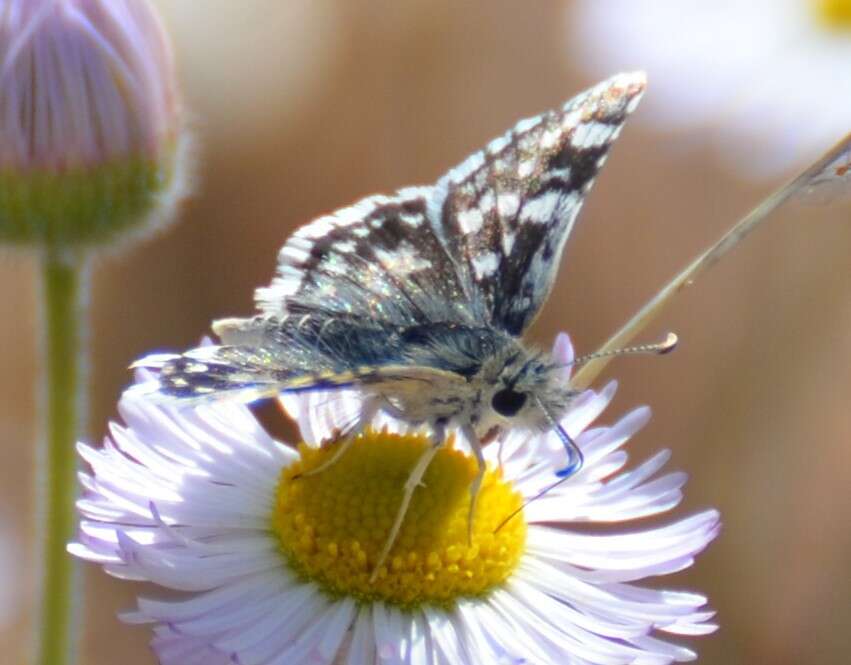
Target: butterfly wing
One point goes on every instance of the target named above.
(481, 247)
(378, 261)
(505, 213)
(414, 279)
(292, 355)
(368, 287)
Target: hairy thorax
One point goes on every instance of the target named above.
(512, 388)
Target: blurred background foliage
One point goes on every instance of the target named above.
(304, 106)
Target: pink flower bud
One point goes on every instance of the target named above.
(90, 120)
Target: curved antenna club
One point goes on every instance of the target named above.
(574, 455)
(575, 460)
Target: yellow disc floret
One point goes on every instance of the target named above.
(834, 14)
(332, 525)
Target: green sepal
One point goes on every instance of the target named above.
(80, 207)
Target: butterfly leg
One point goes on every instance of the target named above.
(414, 480)
(476, 485)
(369, 409)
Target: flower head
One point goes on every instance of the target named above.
(276, 564)
(90, 123)
(767, 77)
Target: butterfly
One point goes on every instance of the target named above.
(420, 299)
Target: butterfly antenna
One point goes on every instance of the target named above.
(575, 460)
(574, 455)
(660, 348)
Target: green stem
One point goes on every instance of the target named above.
(63, 304)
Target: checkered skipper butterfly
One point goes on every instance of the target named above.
(420, 298)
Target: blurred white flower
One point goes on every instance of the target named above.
(277, 570)
(769, 79)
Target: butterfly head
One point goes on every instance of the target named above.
(527, 391)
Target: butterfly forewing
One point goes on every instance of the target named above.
(378, 261)
(506, 212)
(436, 279)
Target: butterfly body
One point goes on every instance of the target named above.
(426, 373)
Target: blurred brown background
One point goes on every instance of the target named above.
(302, 107)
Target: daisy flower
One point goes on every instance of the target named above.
(276, 566)
(769, 78)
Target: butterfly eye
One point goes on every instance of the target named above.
(507, 402)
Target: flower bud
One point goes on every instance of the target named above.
(91, 146)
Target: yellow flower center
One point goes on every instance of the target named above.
(333, 525)
(834, 14)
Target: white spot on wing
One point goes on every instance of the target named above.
(317, 229)
(321, 226)
(508, 204)
(559, 174)
(292, 254)
(550, 139)
(633, 104)
(571, 120)
(416, 192)
(286, 284)
(540, 209)
(498, 144)
(569, 205)
(590, 134)
(411, 220)
(508, 242)
(485, 265)
(528, 123)
(487, 202)
(403, 260)
(359, 210)
(470, 220)
(463, 170)
(526, 168)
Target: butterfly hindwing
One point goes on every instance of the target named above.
(506, 212)
(264, 357)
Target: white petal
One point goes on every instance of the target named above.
(362, 647)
